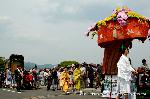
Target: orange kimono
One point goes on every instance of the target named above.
(64, 81)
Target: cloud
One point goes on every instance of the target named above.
(4, 18)
(50, 31)
(76, 10)
(5, 24)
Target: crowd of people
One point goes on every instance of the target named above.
(20, 79)
(73, 78)
(68, 79)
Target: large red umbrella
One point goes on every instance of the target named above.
(116, 31)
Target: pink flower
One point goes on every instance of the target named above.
(128, 10)
(91, 27)
(121, 21)
(123, 10)
(114, 11)
(122, 14)
(122, 17)
(86, 33)
(149, 33)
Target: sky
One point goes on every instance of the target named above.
(52, 31)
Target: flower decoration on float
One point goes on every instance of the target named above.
(120, 15)
(149, 34)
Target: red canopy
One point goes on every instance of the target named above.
(122, 26)
(113, 31)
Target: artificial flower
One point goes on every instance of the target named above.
(149, 33)
(121, 15)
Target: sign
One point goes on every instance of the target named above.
(107, 86)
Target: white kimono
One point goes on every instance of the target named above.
(124, 75)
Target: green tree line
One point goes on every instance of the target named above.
(67, 63)
(2, 63)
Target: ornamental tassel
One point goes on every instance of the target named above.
(115, 33)
(122, 47)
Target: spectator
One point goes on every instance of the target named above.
(49, 81)
(3, 77)
(8, 77)
(54, 79)
(58, 75)
(0, 80)
(84, 75)
(91, 75)
(98, 76)
(71, 80)
(144, 65)
(18, 78)
(46, 74)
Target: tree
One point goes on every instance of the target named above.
(2, 63)
(67, 63)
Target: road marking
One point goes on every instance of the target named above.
(9, 90)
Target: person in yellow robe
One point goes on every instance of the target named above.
(77, 77)
(64, 77)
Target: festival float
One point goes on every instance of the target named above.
(14, 61)
(116, 32)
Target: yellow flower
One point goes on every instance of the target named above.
(103, 22)
(129, 13)
(118, 9)
(134, 14)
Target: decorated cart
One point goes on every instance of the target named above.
(118, 31)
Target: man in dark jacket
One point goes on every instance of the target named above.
(18, 78)
(49, 81)
(91, 75)
(55, 79)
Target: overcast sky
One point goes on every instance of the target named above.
(51, 31)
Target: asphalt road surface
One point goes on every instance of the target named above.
(42, 93)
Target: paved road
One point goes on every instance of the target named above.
(41, 94)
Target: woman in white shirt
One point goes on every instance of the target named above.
(124, 75)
